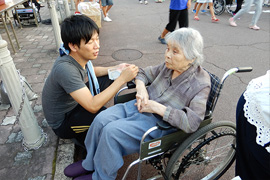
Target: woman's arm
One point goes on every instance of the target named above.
(149, 74)
(189, 118)
(142, 94)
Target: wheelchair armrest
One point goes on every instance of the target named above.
(163, 125)
(131, 84)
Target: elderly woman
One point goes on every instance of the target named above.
(178, 94)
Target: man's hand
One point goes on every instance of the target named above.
(129, 73)
(122, 66)
(189, 4)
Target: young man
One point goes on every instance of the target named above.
(69, 103)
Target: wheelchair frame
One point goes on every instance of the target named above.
(175, 145)
(221, 5)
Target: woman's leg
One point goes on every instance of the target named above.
(258, 11)
(211, 10)
(113, 113)
(245, 9)
(109, 140)
(118, 138)
(197, 10)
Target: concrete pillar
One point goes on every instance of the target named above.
(72, 6)
(55, 23)
(32, 133)
(66, 6)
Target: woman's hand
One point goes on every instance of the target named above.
(142, 98)
(152, 107)
(142, 94)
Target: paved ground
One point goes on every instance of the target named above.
(134, 27)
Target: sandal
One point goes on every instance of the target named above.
(214, 19)
(196, 18)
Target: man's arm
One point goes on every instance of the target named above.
(94, 103)
(102, 71)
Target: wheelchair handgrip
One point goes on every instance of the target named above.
(163, 125)
(244, 69)
(131, 85)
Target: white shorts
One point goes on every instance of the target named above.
(204, 1)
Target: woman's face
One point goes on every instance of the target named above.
(175, 58)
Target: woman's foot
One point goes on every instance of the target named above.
(214, 19)
(75, 169)
(255, 27)
(232, 22)
(196, 18)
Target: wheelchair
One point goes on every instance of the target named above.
(221, 5)
(205, 154)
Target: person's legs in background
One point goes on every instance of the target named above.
(197, 12)
(173, 18)
(238, 6)
(242, 11)
(214, 19)
(106, 5)
(256, 16)
(183, 18)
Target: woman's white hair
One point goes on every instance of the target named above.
(190, 42)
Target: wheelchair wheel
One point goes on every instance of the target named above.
(230, 6)
(219, 6)
(206, 154)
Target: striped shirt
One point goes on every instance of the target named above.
(185, 96)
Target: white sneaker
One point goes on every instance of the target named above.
(232, 22)
(140, 2)
(107, 19)
(145, 2)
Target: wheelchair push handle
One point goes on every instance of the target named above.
(235, 70)
(244, 69)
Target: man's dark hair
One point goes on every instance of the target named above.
(77, 27)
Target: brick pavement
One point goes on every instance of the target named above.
(34, 61)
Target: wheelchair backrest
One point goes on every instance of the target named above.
(213, 95)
